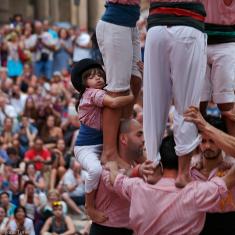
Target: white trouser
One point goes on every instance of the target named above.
(175, 65)
(89, 158)
(219, 85)
(120, 48)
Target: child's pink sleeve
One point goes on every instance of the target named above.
(98, 98)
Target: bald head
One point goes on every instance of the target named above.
(127, 125)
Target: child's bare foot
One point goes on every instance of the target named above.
(109, 156)
(182, 180)
(95, 215)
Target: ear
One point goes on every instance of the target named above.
(123, 139)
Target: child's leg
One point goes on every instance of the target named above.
(88, 156)
(95, 215)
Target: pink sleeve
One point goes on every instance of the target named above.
(208, 195)
(105, 177)
(98, 98)
(124, 186)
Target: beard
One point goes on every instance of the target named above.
(211, 155)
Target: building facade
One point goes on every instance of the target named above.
(84, 13)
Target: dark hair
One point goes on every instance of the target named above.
(85, 75)
(216, 122)
(11, 150)
(29, 182)
(4, 193)
(19, 208)
(169, 158)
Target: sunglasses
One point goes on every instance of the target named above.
(56, 204)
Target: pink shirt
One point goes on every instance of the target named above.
(226, 204)
(114, 206)
(163, 209)
(126, 2)
(219, 13)
(176, 0)
(90, 108)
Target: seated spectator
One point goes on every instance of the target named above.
(30, 110)
(14, 160)
(46, 109)
(7, 132)
(38, 155)
(53, 196)
(31, 200)
(58, 167)
(3, 220)
(58, 223)
(35, 176)
(20, 224)
(3, 154)
(9, 180)
(6, 204)
(18, 99)
(27, 133)
(50, 133)
(72, 187)
(6, 110)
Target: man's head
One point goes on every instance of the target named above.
(169, 158)
(131, 139)
(208, 147)
(38, 144)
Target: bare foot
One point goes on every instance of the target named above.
(109, 156)
(182, 180)
(95, 215)
(122, 164)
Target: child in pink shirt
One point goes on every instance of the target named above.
(88, 77)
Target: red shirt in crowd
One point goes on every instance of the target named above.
(32, 154)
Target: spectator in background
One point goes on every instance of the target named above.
(3, 220)
(7, 132)
(34, 176)
(27, 133)
(30, 110)
(42, 45)
(18, 99)
(20, 224)
(63, 51)
(72, 187)
(6, 204)
(53, 196)
(38, 155)
(58, 166)
(14, 64)
(31, 200)
(50, 133)
(82, 46)
(6, 110)
(58, 223)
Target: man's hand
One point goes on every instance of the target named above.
(193, 115)
(146, 168)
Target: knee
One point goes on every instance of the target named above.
(95, 172)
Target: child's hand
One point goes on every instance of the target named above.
(111, 166)
(141, 66)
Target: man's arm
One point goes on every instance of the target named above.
(122, 184)
(222, 140)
